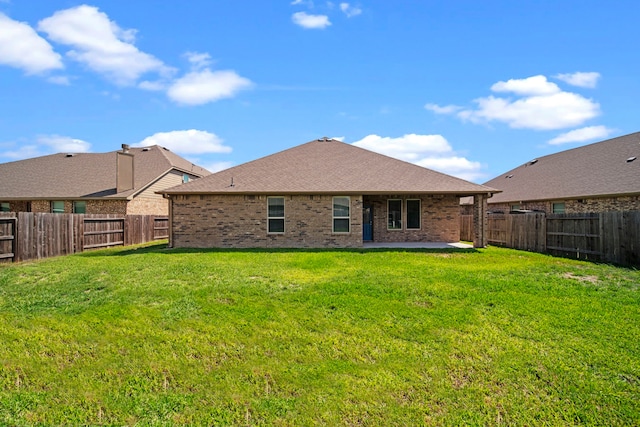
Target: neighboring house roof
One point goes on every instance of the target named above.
(596, 170)
(87, 175)
(328, 166)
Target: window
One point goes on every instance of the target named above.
(557, 208)
(413, 214)
(57, 206)
(4, 207)
(79, 207)
(341, 216)
(515, 207)
(394, 209)
(275, 214)
(185, 178)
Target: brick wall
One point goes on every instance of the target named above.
(148, 206)
(440, 219)
(118, 207)
(239, 221)
(601, 204)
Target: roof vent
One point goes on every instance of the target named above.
(125, 148)
(509, 176)
(631, 159)
(73, 155)
(533, 162)
(146, 149)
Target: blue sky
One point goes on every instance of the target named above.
(470, 88)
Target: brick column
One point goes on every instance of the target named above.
(480, 221)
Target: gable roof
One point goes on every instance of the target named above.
(87, 175)
(595, 170)
(328, 166)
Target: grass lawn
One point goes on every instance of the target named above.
(150, 336)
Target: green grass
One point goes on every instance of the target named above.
(150, 336)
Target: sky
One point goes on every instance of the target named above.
(470, 88)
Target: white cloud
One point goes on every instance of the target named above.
(431, 151)
(198, 60)
(305, 20)
(101, 44)
(155, 86)
(201, 87)
(580, 79)
(581, 135)
(21, 152)
(536, 85)
(64, 144)
(446, 109)
(217, 166)
(187, 142)
(349, 10)
(43, 145)
(541, 105)
(59, 80)
(21, 47)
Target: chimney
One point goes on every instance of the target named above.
(124, 170)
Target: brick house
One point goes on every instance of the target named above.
(324, 193)
(118, 182)
(599, 177)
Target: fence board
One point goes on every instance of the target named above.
(609, 236)
(42, 235)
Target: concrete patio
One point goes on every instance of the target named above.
(417, 245)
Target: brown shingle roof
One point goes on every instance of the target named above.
(86, 175)
(328, 166)
(599, 169)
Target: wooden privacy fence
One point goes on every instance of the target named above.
(26, 235)
(608, 236)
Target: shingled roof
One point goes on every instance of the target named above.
(86, 175)
(329, 166)
(607, 168)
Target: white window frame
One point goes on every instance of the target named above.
(419, 227)
(269, 217)
(389, 214)
(335, 217)
(514, 207)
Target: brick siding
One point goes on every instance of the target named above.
(439, 218)
(148, 206)
(93, 206)
(240, 221)
(601, 204)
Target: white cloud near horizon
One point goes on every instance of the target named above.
(349, 10)
(581, 135)
(430, 151)
(308, 21)
(21, 47)
(444, 109)
(204, 86)
(64, 144)
(190, 141)
(43, 145)
(580, 79)
(214, 167)
(537, 104)
(101, 45)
